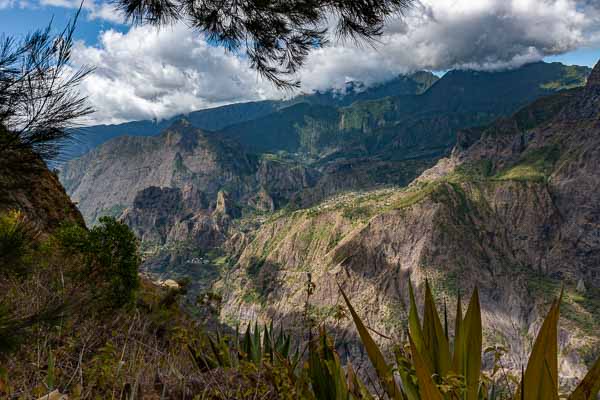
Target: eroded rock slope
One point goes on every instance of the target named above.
(515, 210)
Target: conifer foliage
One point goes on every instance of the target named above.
(277, 35)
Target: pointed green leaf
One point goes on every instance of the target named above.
(436, 343)
(256, 348)
(247, 344)
(414, 323)
(267, 347)
(541, 376)
(473, 346)
(384, 372)
(325, 371)
(459, 340)
(589, 387)
(427, 387)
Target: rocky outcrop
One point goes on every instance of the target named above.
(225, 206)
(163, 216)
(107, 180)
(282, 179)
(26, 184)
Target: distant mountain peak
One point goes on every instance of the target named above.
(594, 78)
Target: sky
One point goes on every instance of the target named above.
(146, 73)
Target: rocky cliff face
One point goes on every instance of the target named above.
(26, 184)
(109, 179)
(515, 211)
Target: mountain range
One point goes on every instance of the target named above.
(476, 178)
(220, 117)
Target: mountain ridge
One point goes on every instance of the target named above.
(220, 117)
(340, 148)
(512, 211)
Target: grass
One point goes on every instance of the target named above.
(415, 196)
(535, 165)
(573, 78)
(360, 213)
(582, 309)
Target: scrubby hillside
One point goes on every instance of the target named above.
(514, 211)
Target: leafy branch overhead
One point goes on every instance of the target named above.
(39, 100)
(277, 35)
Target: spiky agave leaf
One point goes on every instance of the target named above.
(472, 346)
(540, 380)
(427, 388)
(256, 347)
(414, 325)
(434, 337)
(267, 346)
(384, 371)
(459, 340)
(589, 387)
(326, 373)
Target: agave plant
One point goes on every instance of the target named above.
(432, 369)
(327, 377)
(254, 346)
(322, 377)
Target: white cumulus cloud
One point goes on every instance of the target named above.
(468, 34)
(146, 73)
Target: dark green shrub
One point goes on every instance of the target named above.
(111, 258)
(73, 238)
(15, 241)
(114, 248)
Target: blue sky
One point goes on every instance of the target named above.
(144, 73)
(19, 21)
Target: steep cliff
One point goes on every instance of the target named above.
(107, 180)
(27, 185)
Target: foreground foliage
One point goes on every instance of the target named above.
(77, 319)
(430, 370)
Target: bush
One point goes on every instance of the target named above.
(110, 252)
(15, 239)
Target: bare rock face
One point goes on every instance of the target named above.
(170, 215)
(263, 201)
(27, 185)
(593, 80)
(283, 179)
(514, 211)
(225, 205)
(108, 179)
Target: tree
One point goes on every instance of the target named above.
(114, 248)
(277, 35)
(110, 251)
(39, 100)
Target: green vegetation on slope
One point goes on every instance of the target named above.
(534, 165)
